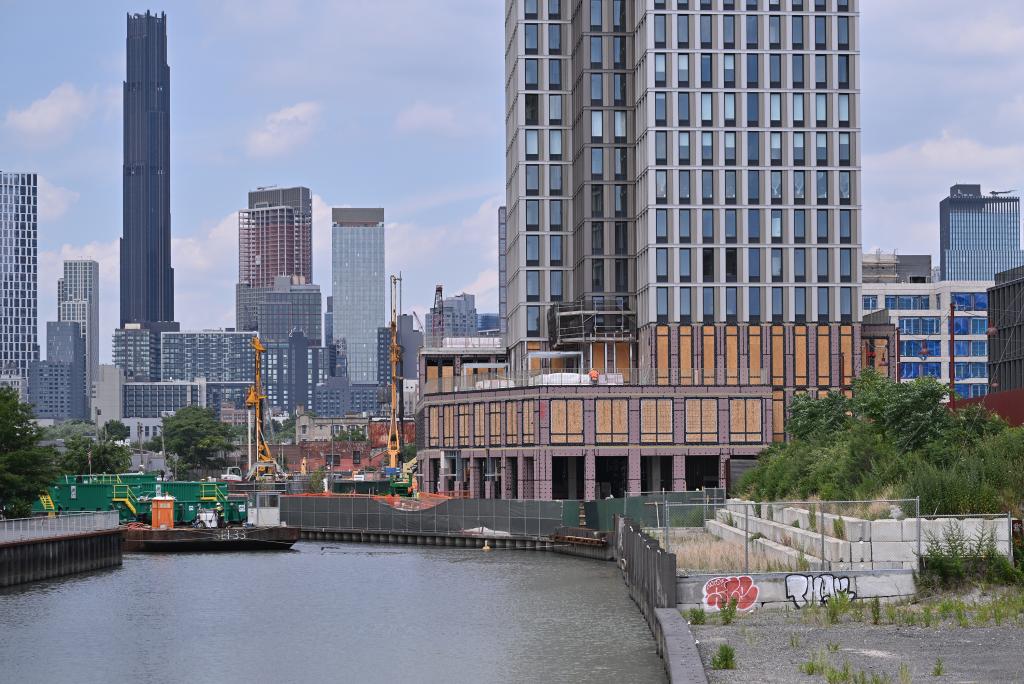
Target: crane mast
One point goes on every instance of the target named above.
(265, 466)
(394, 433)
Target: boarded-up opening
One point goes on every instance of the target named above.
(778, 416)
(846, 354)
(800, 355)
(529, 432)
(778, 356)
(661, 354)
(566, 421)
(612, 417)
(824, 356)
(656, 421)
(702, 421)
(708, 355)
(686, 355)
(732, 355)
(495, 411)
(754, 355)
(479, 425)
(745, 420)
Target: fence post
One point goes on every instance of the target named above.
(1009, 536)
(746, 539)
(821, 529)
(664, 497)
(917, 512)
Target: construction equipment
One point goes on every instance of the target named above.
(265, 467)
(394, 433)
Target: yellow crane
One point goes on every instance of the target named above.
(265, 466)
(394, 431)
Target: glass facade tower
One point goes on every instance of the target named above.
(979, 236)
(19, 334)
(357, 264)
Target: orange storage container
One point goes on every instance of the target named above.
(162, 512)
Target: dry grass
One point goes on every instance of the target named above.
(698, 551)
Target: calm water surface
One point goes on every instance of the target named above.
(328, 612)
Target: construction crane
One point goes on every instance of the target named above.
(437, 316)
(394, 434)
(265, 466)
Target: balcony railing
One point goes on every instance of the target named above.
(482, 382)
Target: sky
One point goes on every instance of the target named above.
(400, 104)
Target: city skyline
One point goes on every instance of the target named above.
(910, 121)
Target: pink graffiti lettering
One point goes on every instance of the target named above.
(718, 591)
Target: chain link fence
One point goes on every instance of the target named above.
(20, 529)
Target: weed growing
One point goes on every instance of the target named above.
(728, 613)
(724, 658)
(696, 616)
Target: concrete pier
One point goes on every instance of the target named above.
(31, 560)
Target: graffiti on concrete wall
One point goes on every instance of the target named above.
(806, 589)
(718, 591)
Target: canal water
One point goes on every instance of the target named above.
(329, 612)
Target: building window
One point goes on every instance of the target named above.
(662, 304)
(701, 421)
(533, 321)
(685, 233)
(597, 238)
(566, 421)
(555, 293)
(745, 420)
(533, 286)
(612, 421)
(532, 250)
(656, 421)
(530, 70)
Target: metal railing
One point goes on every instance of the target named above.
(20, 529)
(581, 378)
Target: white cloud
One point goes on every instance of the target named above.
(283, 130)
(423, 117)
(53, 118)
(54, 201)
(903, 186)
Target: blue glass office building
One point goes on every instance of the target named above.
(979, 236)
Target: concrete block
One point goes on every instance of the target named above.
(900, 552)
(886, 531)
(885, 585)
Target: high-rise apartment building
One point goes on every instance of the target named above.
(457, 317)
(275, 238)
(56, 386)
(136, 349)
(290, 305)
(19, 334)
(78, 300)
(979, 236)
(700, 165)
(502, 271)
(214, 355)
(1006, 335)
(329, 322)
(147, 279)
(357, 264)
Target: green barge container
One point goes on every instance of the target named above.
(130, 495)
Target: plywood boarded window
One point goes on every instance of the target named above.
(732, 355)
(778, 416)
(824, 356)
(512, 423)
(745, 420)
(656, 421)
(566, 421)
(686, 355)
(479, 425)
(448, 416)
(800, 355)
(702, 421)
(754, 355)
(448, 378)
(612, 421)
(662, 355)
(778, 356)
(708, 355)
(464, 436)
(529, 409)
(434, 419)
(846, 354)
(495, 411)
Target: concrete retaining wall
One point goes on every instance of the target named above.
(38, 559)
(795, 589)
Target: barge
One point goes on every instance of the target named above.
(145, 538)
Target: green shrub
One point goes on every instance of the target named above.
(816, 665)
(728, 612)
(953, 559)
(876, 611)
(724, 658)
(696, 616)
(836, 606)
(838, 528)
(939, 668)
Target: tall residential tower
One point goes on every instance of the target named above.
(979, 236)
(19, 334)
(147, 279)
(357, 264)
(78, 300)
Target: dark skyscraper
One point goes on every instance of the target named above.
(147, 279)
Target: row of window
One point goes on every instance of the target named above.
(729, 147)
(934, 325)
(724, 187)
(721, 110)
(555, 8)
(514, 423)
(962, 301)
(925, 348)
(718, 304)
(783, 227)
(723, 265)
(965, 370)
(722, 31)
(722, 71)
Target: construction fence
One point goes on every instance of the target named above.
(515, 518)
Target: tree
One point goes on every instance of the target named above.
(26, 469)
(69, 429)
(106, 457)
(196, 437)
(316, 481)
(115, 431)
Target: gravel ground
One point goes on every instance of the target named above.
(771, 646)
